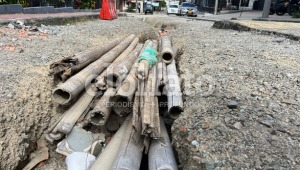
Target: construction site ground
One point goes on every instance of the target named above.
(257, 73)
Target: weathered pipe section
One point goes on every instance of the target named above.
(143, 69)
(70, 89)
(70, 65)
(160, 154)
(106, 159)
(70, 117)
(149, 112)
(162, 79)
(102, 110)
(101, 79)
(130, 153)
(127, 89)
(120, 72)
(175, 103)
(167, 53)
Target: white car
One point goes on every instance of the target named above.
(173, 9)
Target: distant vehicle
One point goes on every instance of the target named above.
(188, 9)
(149, 9)
(173, 9)
(280, 7)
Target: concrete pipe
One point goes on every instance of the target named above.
(70, 89)
(166, 50)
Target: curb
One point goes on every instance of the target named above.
(203, 19)
(57, 20)
(275, 20)
(60, 20)
(53, 20)
(239, 27)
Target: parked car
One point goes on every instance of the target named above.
(149, 9)
(173, 9)
(188, 9)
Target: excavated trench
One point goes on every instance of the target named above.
(158, 26)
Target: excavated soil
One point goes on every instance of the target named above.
(241, 92)
(241, 99)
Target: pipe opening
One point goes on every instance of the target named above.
(112, 80)
(97, 119)
(175, 112)
(167, 56)
(61, 96)
(122, 105)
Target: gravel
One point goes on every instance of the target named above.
(25, 87)
(260, 73)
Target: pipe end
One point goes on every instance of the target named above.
(98, 119)
(167, 57)
(121, 105)
(175, 112)
(61, 97)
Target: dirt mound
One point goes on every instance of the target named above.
(242, 100)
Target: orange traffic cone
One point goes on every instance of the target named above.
(105, 13)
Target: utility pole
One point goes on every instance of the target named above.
(266, 9)
(136, 4)
(216, 7)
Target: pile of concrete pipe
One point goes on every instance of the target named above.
(113, 89)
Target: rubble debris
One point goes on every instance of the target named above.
(232, 104)
(80, 161)
(80, 140)
(38, 156)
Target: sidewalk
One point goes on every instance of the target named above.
(284, 25)
(6, 18)
(249, 15)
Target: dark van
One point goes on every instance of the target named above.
(149, 9)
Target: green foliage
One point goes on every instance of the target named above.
(296, 14)
(3, 2)
(85, 4)
(162, 4)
